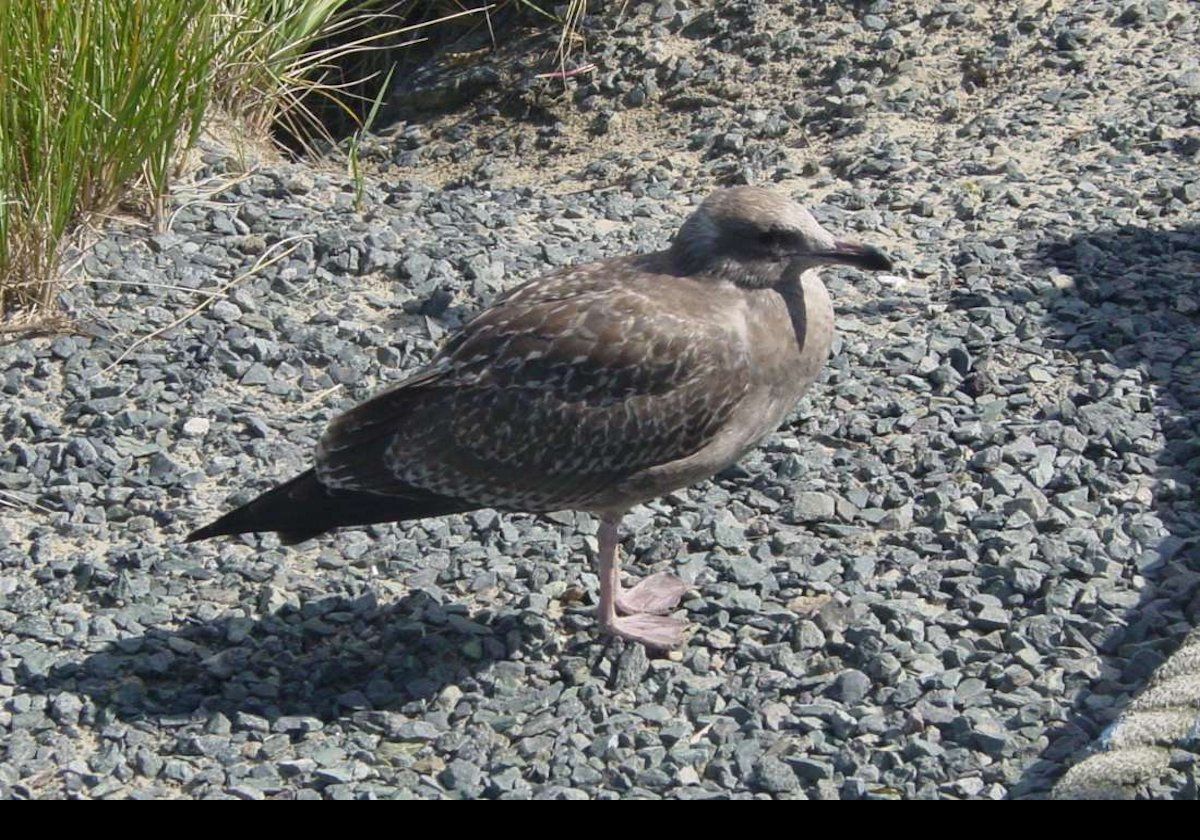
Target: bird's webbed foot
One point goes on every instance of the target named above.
(657, 595)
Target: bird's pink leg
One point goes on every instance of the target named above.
(651, 630)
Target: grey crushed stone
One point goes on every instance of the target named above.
(966, 565)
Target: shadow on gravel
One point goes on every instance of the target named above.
(1134, 312)
(328, 659)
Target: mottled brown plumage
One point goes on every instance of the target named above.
(554, 397)
(593, 388)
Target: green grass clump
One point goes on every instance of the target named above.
(100, 95)
(93, 94)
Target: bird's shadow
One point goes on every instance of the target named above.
(326, 659)
(1127, 301)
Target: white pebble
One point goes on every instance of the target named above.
(196, 427)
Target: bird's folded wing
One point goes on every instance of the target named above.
(554, 394)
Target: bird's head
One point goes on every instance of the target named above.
(758, 237)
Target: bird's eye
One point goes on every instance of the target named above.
(769, 238)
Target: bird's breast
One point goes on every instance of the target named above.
(792, 332)
(786, 335)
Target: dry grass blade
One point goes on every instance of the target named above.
(11, 499)
(292, 78)
(266, 259)
(576, 9)
(318, 398)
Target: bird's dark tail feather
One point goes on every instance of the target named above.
(304, 508)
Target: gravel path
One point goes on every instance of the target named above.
(949, 575)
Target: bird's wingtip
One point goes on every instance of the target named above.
(199, 534)
(215, 528)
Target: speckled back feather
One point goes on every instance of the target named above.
(571, 384)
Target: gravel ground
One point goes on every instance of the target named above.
(948, 576)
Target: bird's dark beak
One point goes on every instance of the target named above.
(866, 257)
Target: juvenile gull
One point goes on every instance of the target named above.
(592, 388)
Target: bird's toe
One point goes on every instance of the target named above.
(654, 631)
(658, 594)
